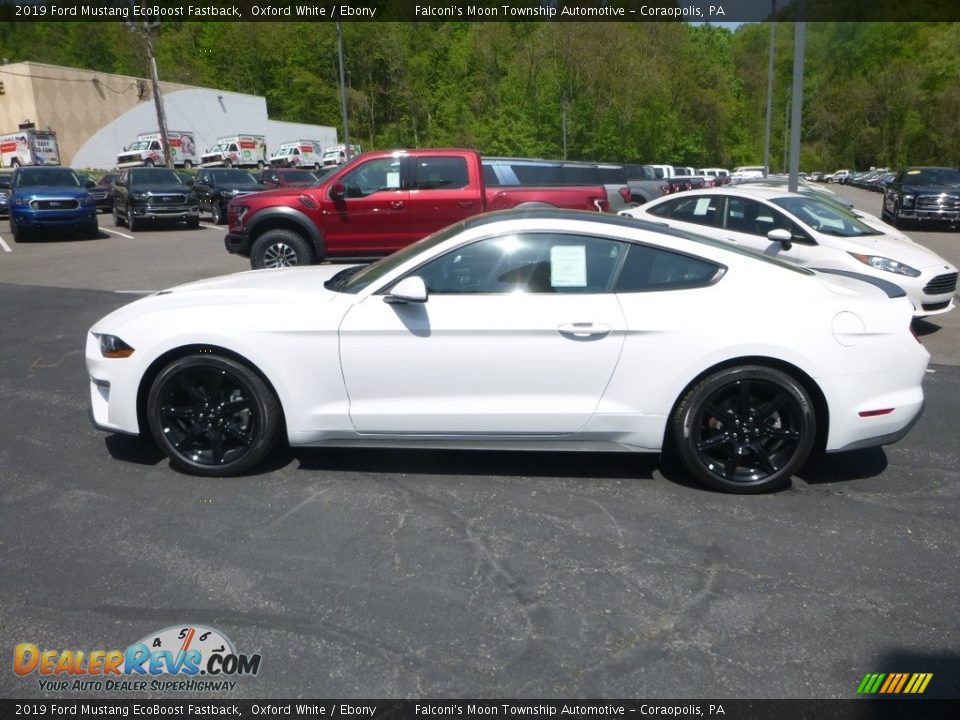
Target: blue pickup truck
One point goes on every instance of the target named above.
(50, 199)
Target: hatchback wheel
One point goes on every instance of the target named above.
(212, 416)
(745, 429)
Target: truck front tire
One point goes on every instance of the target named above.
(280, 248)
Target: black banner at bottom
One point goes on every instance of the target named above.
(857, 709)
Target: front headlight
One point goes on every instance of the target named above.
(908, 199)
(878, 262)
(113, 347)
(22, 201)
(87, 200)
(138, 196)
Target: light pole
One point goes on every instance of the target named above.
(343, 93)
(766, 137)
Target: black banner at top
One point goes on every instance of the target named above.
(712, 11)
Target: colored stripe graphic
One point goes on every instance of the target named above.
(894, 683)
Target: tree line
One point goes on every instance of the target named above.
(875, 94)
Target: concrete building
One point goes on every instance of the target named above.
(95, 114)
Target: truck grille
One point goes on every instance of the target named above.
(938, 202)
(65, 204)
(941, 284)
(177, 199)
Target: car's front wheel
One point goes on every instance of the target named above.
(212, 415)
(745, 429)
(117, 220)
(132, 223)
(280, 248)
(216, 214)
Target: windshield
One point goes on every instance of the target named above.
(299, 176)
(825, 217)
(139, 145)
(154, 176)
(35, 177)
(237, 178)
(932, 176)
(353, 280)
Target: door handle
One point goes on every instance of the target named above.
(584, 330)
(397, 205)
(465, 203)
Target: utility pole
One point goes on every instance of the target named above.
(147, 29)
(799, 38)
(343, 93)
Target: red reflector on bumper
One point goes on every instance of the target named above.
(874, 413)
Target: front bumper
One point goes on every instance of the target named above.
(237, 243)
(164, 213)
(26, 219)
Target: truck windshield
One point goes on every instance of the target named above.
(35, 177)
(140, 145)
(237, 178)
(154, 176)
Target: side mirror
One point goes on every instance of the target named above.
(338, 191)
(781, 236)
(89, 184)
(409, 290)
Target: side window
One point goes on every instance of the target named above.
(154, 145)
(439, 173)
(701, 210)
(233, 147)
(648, 269)
(531, 263)
(747, 216)
(373, 176)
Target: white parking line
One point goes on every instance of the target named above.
(6, 248)
(212, 227)
(115, 232)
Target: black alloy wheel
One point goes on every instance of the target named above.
(117, 220)
(216, 215)
(745, 429)
(212, 416)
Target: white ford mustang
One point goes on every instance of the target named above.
(538, 329)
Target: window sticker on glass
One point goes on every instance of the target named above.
(393, 180)
(568, 266)
(703, 206)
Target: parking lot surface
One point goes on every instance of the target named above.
(361, 573)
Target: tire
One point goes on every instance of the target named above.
(20, 236)
(280, 248)
(132, 223)
(148, 162)
(745, 429)
(117, 220)
(316, 166)
(187, 164)
(216, 214)
(884, 215)
(228, 163)
(259, 164)
(193, 223)
(212, 416)
(92, 232)
(15, 163)
(895, 218)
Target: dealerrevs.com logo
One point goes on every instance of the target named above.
(184, 658)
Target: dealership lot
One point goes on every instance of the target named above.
(455, 574)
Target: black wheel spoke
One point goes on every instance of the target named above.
(187, 440)
(768, 408)
(183, 413)
(732, 463)
(712, 442)
(743, 400)
(241, 437)
(235, 406)
(216, 446)
(190, 389)
(766, 462)
(782, 433)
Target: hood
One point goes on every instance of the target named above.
(230, 187)
(920, 189)
(254, 287)
(904, 251)
(161, 188)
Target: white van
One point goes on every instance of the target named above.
(337, 154)
(298, 154)
(237, 151)
(29, 147)
(148, 150)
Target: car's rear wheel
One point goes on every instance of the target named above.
(745, 429)
(280, 248)
(212, 416)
